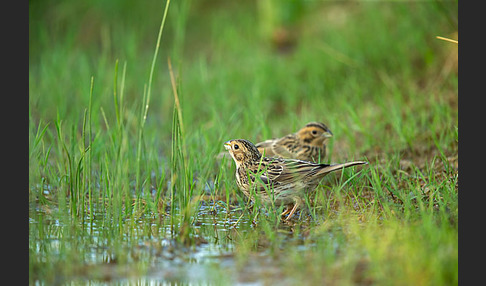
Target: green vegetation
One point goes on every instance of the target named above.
(124, 133)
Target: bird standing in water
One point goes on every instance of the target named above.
(278, 180)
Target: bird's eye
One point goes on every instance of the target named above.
(314, 132)
(236, 147)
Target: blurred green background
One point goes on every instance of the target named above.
(272, 64)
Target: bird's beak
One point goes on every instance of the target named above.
(327, 134)
(227, 145)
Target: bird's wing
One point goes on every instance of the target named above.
(297, 170)
(276, 171)
(288, 171)
(279, 147)
(284, 147)
(259, 170)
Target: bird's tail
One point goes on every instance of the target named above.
(330, 168)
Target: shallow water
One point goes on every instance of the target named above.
(147, 252)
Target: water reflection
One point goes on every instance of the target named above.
(147, 249)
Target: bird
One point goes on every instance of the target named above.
(307, 144)
(279, 180)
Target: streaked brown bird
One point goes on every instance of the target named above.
(278, 180)
(307, 144)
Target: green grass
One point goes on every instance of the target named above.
(124, 184)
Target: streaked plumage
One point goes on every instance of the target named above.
(283, 181)
(307, 144)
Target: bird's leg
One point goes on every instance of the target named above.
(286, 211)
(297, 204)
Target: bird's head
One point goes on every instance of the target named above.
(242, 151)
(314, 133)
